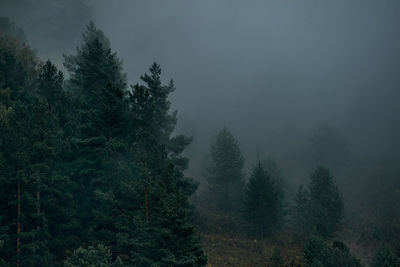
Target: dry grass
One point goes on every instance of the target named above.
(240, 251)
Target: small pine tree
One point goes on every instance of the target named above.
(318, 253)
(225, 175)
(321, 208)
(262, 203)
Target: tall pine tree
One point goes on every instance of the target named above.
(150, 205)
(98, 88)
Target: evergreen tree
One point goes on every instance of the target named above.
(28, 141)
(155, 123)
(18, 68)
(262, 203)
(282, 185)
(149, 202)
(50, 88)
(10, 29)
(98, 88)
(225, 175)
(321, 208)
(98, 85)
(318, 253)
(38, 203)
(302, 210)
(98, 256)
(57, 194)
(90, 165)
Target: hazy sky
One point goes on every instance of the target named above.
(268, 70)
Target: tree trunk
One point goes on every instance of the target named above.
(38, 208)
(18, 222)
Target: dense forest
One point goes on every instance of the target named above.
(95, 171)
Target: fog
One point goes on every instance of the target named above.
(271, 71)
(294, 111)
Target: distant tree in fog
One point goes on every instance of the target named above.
(329, 147)
(282, 184)
(10, 29)
(320, 208)
(225, 176)
(262, 203)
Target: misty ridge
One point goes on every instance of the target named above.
(199, 133)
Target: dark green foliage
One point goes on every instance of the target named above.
(31, 143)
(302, 212)
(320, 208)
(28, 145)
(166, 238)
(98, 89)
(18, 68)
(385, 257)
(90, 165)
(151, 207)
(98, 85)
(154, 123)
(262, 203)
(93, 257)
(225, 175)
(50, 84)
(318, 253)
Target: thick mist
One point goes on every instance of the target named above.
(292, 106)
(271, 71)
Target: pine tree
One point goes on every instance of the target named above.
(98, 85)
(50, 88)
(225, 175)
(158, 126)
(99, 256)
(18, 68)
(321, 208)
(27, 145)
(10, 29)
(318, 253)
(27, 140)
(262, 203)
(56, 194)
(98, 88)
(149, 204)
